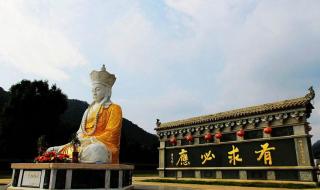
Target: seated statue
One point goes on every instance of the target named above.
(100, 128)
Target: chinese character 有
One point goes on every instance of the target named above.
(183, 159)
(234, 156)
(265, 153)
(207, 156)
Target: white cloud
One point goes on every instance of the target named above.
(257, 39)
(32, 46)
(167, 106)
(269, 49)
(129, 41)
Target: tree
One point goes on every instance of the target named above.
(33, 110)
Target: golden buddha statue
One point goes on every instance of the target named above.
(100, 128)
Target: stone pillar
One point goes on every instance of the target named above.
(69, 179)
(302, 151)
(197, 174)
(265, 135)
(179, 139)
(106, 180)
(178, 142)
(299, 130)
(53, 176)
(271, 175)
(303, 154)
(196, 139)
(306, 175)
(243, 174)
(218, 174)
(20, 178)
(179, 174)
(161, 158)
(120, 179)
(161, 173)
(239, 138)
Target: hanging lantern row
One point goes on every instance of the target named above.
(208, 136)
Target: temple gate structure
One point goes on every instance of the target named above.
(265, 142)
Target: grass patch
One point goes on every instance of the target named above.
(145, 173)
(234, 183)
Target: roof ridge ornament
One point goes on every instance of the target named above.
(103, 68)
(158, 123)
(311, 94)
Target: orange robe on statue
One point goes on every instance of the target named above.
(108, 130)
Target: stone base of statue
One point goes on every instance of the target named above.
(71, 176)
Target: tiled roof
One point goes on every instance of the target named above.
(243, 112)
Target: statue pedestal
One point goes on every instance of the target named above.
(71, 176)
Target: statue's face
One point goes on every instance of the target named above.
(100, 91)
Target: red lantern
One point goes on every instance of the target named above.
(208, 137)
(267, 130)
(173, 140)
(240, 133)
(189, 138)
(218, 135)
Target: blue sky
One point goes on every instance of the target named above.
(173, 59)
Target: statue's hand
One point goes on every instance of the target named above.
(84, 142)
(87, 141)
(80, 136)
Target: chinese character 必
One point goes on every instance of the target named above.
(265, 152)
(183, 159)
(234, 157)
(207, 156)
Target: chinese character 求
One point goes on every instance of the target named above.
(234, 156)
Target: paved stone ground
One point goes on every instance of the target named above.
(139, 185)
(162, 186)
(171, 186)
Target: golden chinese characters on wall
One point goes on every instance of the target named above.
(233, 155)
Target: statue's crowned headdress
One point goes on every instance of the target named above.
(103, 77)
